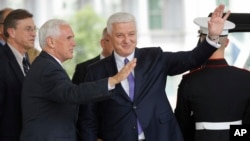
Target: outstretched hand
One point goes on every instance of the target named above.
(123, 73)
(216, 23)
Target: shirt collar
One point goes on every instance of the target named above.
(216, 62)
(2, 42)
(56, 59)
(120, 59)
(101, 56)
(16, 53)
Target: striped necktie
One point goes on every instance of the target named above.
(26, 65)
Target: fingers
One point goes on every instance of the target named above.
(132, 63)
(226, 15)
(128, 68)
(218, 12)
(123, 74)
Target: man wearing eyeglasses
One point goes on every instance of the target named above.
(3, 13)
(19, 31)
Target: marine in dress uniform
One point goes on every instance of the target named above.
(213, 97)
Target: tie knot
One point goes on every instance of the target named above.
(126, 61)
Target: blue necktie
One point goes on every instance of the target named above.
(131, 83)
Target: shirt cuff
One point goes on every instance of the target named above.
(212, 43)
(110, 87)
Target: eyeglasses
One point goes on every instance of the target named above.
(30, 29)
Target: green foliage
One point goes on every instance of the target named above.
(87, 26)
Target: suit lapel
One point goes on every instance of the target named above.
(46, 55)
(13, 63)
(17, 70)
(141, 76)
(110, 66)
(138, 76)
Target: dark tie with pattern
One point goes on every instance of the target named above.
(26, 65)
(131, 83)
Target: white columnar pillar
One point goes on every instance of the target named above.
(142, 18)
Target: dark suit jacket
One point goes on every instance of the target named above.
(1, 45)
(117, 117)
(216, 92)
(81, 70)
(80, 73)
(49, 101)
(11, 79)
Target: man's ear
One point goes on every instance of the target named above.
(102, 42)
(50, 42)
(11, 32)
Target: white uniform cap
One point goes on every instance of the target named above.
(203, 23)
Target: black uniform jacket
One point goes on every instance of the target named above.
(216, 92)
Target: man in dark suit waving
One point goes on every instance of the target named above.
(49, 98)
(147, 115)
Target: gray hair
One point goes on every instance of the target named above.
(51, 28)
(120, 17)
